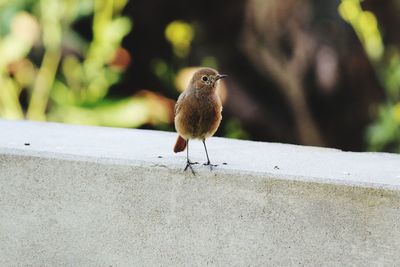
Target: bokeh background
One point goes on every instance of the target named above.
(310, 72)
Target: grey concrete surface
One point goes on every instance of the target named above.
(91, 196)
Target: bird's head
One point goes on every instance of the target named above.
(206, 79)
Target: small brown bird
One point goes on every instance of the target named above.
(198, 112)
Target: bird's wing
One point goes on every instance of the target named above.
(179, 102)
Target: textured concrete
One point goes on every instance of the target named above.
(87, 196)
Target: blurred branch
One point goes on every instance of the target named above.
(51, 18)
(9, 102)
(287, 71)
(43, 84)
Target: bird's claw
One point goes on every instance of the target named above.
(189, 165)
(210, 165)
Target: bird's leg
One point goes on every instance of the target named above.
(208, 163)
(188, 162)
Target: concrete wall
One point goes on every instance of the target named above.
(88, 196)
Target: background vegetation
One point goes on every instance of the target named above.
(308, 72)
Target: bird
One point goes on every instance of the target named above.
(198, 112)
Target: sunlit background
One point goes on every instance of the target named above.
(324, 73)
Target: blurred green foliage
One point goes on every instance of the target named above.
(52, 69)
(384, 133)
(63, 76)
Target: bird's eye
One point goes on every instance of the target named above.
(204, 78)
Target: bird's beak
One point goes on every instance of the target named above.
(221, 76)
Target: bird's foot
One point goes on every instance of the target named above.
(189, 165)
(210, 165)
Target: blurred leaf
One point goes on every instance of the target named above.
(9, 105)
(23, 71)
(234, 129)
(144, 108)
(366, 26)
(164, 72)
(12, 49)
(384, 134)
(180, 34)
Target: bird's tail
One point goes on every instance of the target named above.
(180, 144)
